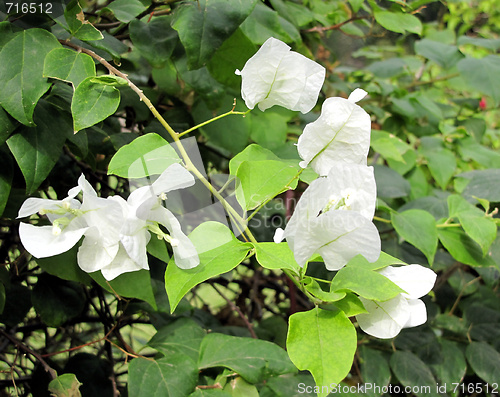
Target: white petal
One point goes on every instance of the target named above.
(337, 236)
(279, 235)
(173, 178)
(33, 205)
(121, 264)
(357, 95)
(341, 133)
(185, 254)
(277, 76)
(41, 242)
(416, 280)
(418, 313)
(384, 319)
(93, 255)
(135, 245)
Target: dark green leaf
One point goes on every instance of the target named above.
(412, 372)
(147, 155)
(219, 253)
(483, 184)
(252, 359)
(65, 266)
(322, 342)
(2, 297)
(6, 175)
(205, 25)
(68, 65)
(23, 79)
(417, 227)
(93, 372)
(56, 300)
(130, 285)
(126, 10)
(481, 74)
(92, 103)
(7, 125)
(485, 361)
(184, 336)
(374, 369)
(77, 25)
(37, 149)
(389, 183)
(444, 55)
(453, 366)
(155, 40)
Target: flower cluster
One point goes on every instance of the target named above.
(334, 216)
(115, 231)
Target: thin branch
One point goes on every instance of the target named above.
(238, 310)
(320, 29)
(22, 346)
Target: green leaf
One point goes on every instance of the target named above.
(65, 385)
(263, 23)
(375, 369)
(172, 376)
(68, 65)
(322, 342)
(158, 248)
(276, 256)
(219, 253)
(388, 145)
(210, 393)
(205, 25)
(263, 180)
(252, 152)
(111, 45)
(398, 22)
(485, 361)
(184, 336)
(481, 228)
(463, 248)
(359, 261)
(351, 305)
(92, 103)
(481, 74)
(147, 155)
(389, 183)
(441, 162)
(452, 368)
(238, 387)
(65, 266)
(367, 283)
(253, 359)
(269, 128)
(444, 55)
(7, 125)
(470, 149)
(129, 285)
(37, 149)
(483, 184)
(413, 373)
(231, 55)
(315, 289)
(77, 25)
(417, 227)
(154, 40)
(126, 10)
(56, 300)
(22, 75)
(6, 176)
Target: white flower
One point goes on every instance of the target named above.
(341, 133)
(333, 218)
(66, 230)
(386, 319)
(130, 229)
(277, 76)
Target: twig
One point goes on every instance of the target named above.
(238, 310)
(321, 29)
(22, 346)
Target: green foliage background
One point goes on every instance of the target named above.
(431, 70)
